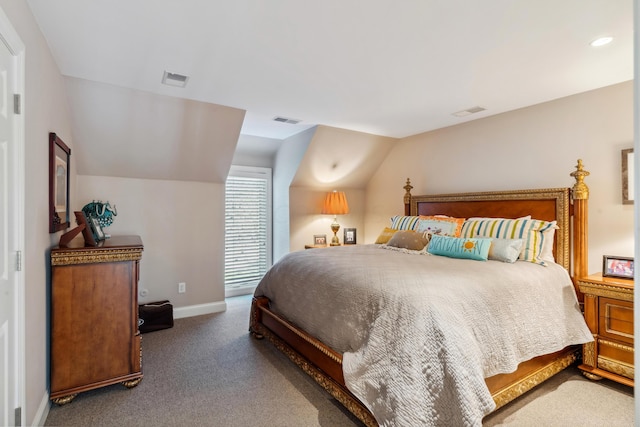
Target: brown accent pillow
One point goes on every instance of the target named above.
(409, 240)
(386, 234)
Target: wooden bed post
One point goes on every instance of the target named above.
(580, 197)
(407, 197)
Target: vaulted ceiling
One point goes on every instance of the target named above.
(390, 69)
(387, 68)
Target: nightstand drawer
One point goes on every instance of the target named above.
(608, 311)
(615, 352)
(616, 319)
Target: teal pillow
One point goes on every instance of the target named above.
(460, 247)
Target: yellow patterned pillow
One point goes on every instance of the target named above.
(385, 236)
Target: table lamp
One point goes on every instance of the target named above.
(335, 203)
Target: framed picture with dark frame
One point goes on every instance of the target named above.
(349, 236)
(628, 169)
(59, 156)
(617, 266)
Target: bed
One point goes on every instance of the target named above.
(388, 383)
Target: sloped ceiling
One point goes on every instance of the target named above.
(339, 158)
(129, 133)
(380, 67)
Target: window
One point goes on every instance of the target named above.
(247, 228)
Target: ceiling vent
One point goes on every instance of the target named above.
(173, 79)
(286, 120)
(469, 111)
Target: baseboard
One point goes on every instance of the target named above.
(42, 413)
(199, 309)
(242, 290)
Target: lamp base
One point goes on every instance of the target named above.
(335, 227)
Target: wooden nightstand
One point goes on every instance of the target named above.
(608, 310)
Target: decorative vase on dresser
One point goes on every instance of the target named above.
(95, 340)
(608, 310)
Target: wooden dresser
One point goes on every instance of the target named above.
(95, 340)
(608, 310)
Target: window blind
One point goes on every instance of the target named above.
(247, 229)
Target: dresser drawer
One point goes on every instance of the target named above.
(615, 320)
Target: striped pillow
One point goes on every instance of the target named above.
(531, 231)
(401, 222)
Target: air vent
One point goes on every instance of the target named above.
(173, 79)
(286, 120)
(469, 111)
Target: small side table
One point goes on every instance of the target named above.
(608, 311)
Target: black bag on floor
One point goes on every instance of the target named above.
(154, 316)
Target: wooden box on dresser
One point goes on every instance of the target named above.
(608, 310)
(95, 340)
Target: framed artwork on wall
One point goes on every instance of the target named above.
(59, 156)
(628, 170)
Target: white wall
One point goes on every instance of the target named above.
(45, 110)
(535, 147)
(336, 159)
(256, 151)
(182, 228)
(306, 220)
(286, 164)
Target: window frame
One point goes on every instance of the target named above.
(254, 172)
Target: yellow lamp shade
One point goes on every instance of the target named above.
(335, 203)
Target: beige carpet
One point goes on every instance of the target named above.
(208, 371)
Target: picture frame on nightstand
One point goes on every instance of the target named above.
(320, 239)
(349, 236)
(616, 266)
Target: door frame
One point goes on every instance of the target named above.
(9, 36)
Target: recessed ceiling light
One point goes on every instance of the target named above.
(173, 79)
(601, 41)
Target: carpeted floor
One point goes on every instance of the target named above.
(208, 371)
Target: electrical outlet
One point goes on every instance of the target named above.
(182, 287)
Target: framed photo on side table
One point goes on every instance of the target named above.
(616, 266)
(87, 233)
(320, 239)
(349, 236)
(98, 233)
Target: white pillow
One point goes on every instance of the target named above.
(505, 250)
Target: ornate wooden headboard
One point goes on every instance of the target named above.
(560, 204)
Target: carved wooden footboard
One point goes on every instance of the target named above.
(325, 365)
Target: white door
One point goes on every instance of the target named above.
(8, 254)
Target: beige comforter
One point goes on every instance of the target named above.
(419, 333)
